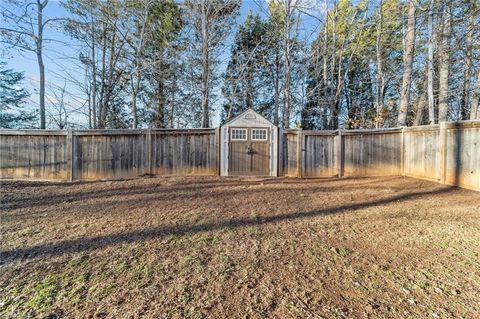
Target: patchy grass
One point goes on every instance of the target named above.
(44, 293)
(212, 248)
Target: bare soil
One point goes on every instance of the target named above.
(229, 248)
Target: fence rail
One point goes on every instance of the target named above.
(448, 153)
(106, 154)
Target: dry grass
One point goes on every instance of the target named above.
(205, 247)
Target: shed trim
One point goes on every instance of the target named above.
(243, 113)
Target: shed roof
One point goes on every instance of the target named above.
(249, 118)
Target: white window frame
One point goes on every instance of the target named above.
(232, 138)
(259, 139)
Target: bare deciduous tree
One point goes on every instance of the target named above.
(444, 63)
(26, 33)
(210, 19)
(409, 45)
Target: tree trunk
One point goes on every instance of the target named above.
(94, 75)
(325, 96)
(421, 103)
(173, 91)
(160, 117)
(205, 67)
(135, 91)
(138, 64)
(88, 91)
(134, 109)
(109, 80)
(101, 105)
(277, 89)
(467, 73)
(409, 45)
(41, 66)
(286, 109)
(333, 123)
(475, 110)
(337, 97)
(380, 76)
(431, 105)
(444, 61)
(247, 80)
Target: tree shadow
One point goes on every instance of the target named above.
(458, 149)
(181, 191)
(105, 192)
(98, 242)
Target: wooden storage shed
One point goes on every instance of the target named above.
(249, 146)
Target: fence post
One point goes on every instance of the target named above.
(299, 153)
(339, 153)
(442, 139)
(70, 159)
(402, 153)
(280, 154)
(149, 151)
(218, 155)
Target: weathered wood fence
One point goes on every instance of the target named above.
(343, 153)
(448, 153)
(106, 154)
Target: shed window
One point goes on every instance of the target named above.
(259, 135)
(239, 134)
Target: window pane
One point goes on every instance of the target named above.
(259, 134)
(239, 134)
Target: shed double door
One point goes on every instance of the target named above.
(249, 153)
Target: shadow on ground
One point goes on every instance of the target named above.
(171, 190)
(93, 243)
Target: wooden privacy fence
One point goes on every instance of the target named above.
(342, 153)
(104, 154)
(448, 153)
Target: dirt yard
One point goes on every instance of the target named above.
(211, 248)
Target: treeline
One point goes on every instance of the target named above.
(315, 65)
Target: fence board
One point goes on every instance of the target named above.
(33, 156)
(319, 155)
(184, 153)
(290, 153)
(104, 156)
(463, 154)
(422, 152)
(371, 153)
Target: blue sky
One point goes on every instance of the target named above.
(60, 56)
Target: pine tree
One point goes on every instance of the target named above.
(12, 100)
(340, 82)
(246, 81)
(163, 47)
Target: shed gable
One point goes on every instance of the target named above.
(249, 118)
